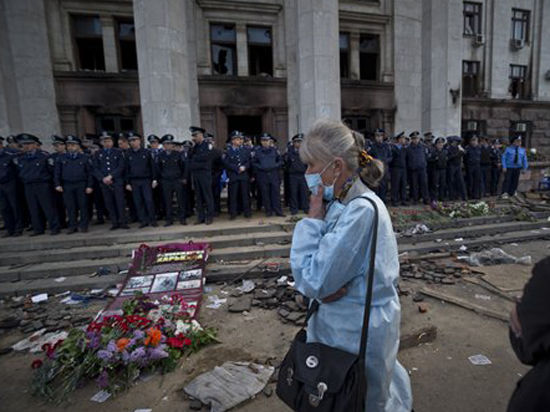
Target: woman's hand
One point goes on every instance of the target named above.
(316, 207)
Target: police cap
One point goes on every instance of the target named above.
(195, 130)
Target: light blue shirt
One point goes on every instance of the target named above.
(509, 155)
(331, 253)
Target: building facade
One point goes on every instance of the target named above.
(449, 67)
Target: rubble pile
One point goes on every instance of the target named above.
(446, 273)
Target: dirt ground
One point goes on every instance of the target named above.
(443, 379)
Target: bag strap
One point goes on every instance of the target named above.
(314, 306)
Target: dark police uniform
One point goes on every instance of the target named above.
(495, 167)
(140, 173)
(35, 170)
(239, 180)
(438, 159)
(382, 151)
(58, 197)
(158, 196)
(398, 171)
(267, 162)
(110, 162)
(297, 186)
(187, 145)
(73, 172)
(9, 200)
(485, 163)
(473, 171)
(200, 166)
(455, 178)
(171, 171)
(217, 171)
(416, 163)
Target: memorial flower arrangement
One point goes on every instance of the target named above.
(114, 350)
(464, 209)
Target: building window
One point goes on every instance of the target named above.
(361, 124)
(522, 129)
(114, 124)
(260, 51)
(472, 18)
(470, 78)
(127, 45)
(369, 52)
(520, 25)
(518, 84)
(224, 50)
(88, 42)
(473, 127)
(344, 55)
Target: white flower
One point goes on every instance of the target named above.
(534, 151)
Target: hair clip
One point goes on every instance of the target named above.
(364, 158)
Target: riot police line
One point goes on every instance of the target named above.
(117, 178)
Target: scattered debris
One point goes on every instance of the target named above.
(240, 305)
(247, 286)
(215, 302)
(482, 297)
(423, 307)
(60, 279)
(479, 360)
(35, 342)
(42, 297)
(228, 385)
(418, 229)
(494, 256)
(101, 396)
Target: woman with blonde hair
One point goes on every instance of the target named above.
(330, 260)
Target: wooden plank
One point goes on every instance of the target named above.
(490, 288)
(464, 304)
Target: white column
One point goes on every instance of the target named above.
(165, 74)
(110, 50)
(242, 50)
(318, 62)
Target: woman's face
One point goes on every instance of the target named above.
(329, 171)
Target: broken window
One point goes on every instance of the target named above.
(224, 50)
(520, 25)
(369, 52)
(470, 78)
(472, 18)
(344, 55)
(361, 124)
(88, 43)
(114, 124)
(127, 45)
(260, 51)
(518, 84)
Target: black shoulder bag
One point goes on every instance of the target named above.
(317, 377)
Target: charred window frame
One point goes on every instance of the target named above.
(127, 54)
(223, 43)
(88, 42)
(361, 124)
(470, 78)
(472, 18)
(473, 127)
(369, 56)
(260, 50)
(344, 55)
(518, 81)
(523, 129)
(115, 123)
(520, 25)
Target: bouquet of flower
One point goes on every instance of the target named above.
(463, 210)
(146, 336)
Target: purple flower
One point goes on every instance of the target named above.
(94, 339)
(139, 356)
(103, 379)
(157, 353)
(104, 355)
(111, 346)
(125, 357)
(138, 334)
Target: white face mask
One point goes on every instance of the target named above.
(314, 180)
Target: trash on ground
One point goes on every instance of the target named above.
(247, 286)
(42, 297)
(459, 239)
(226, 386)
(101, 396)
(479, 360)
(215, 302)
(418, 229)
(282, 280)
(66, 293)
(38, 339)
(272, 267)
(60, 279)
(482, 297)
(494, 256)
(463, 248)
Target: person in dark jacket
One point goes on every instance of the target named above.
(485, 163)
(455, 178)
(200, 165)
(496, 166)
(398, 171)
(530, 340)
(217, 171)
(9, 199)
(438, 157)
(35, 168)
(297, 186)
(267, 162)
(472, 159)
(236, 160)
(109, 168)
(60, 148)
(171, 171)
(73, 178)
(381, 150)
(185, 152)
(416, 164)
(158, 194)
(141, 180)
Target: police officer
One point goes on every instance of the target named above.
(267, 162)
(496, 154)
(141, 180)
(473, 169)
(60, 149)
(108, 169)
(122, 143)
(485, 162)
(9, 199)
(514, 161)
(185, 152)
(172, 175)
(155, 149)
(298, 196)
(200, 165)
(236, 160)
(416, 163)
(438, 158)
(381, 150)
(398, 171)
(73, 178)
(217, 171)
(35, 168)
(455, 178)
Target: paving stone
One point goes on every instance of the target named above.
(295, 316)
(240, 305)
(418, 297)
(283, 312)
